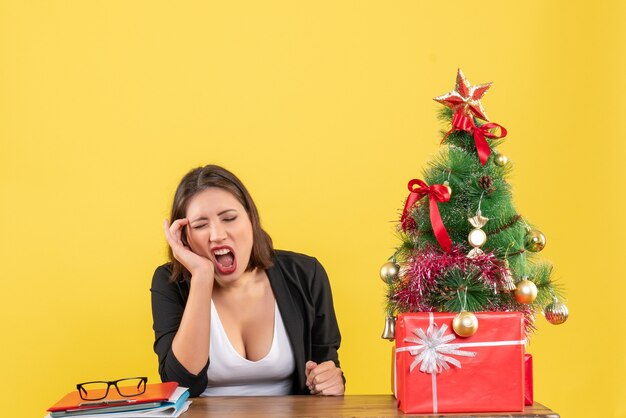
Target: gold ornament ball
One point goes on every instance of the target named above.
(465, 324)
(556, 313)
(525, 291)
(389, 271)
(447, 186)
(500, 159)
(535, 240)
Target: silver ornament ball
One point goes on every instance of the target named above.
(556, 313)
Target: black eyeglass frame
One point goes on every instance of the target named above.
(143, 381)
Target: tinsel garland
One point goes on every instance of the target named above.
(422, 270)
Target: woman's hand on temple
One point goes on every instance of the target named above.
(196, 264)
(324, 378)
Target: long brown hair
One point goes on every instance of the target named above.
(200, 179)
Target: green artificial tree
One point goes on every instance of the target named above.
(464, 246)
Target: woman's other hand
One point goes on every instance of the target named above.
(324, 378)
(196, 264)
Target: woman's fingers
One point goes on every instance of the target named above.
(332, 385)
(166, 230)
(324, 378)
(308, 367)
(335, 389)
(192, 261)
(174, 234)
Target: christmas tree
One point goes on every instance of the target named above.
(464, 246)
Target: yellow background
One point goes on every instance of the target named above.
(325, 110)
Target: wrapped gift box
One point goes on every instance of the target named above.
(437, 371)
(528, 379)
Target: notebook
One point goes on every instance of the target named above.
(155, 393)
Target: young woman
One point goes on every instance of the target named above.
(233, 316)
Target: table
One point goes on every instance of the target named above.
(322, 406)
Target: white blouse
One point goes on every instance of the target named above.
(230, 374)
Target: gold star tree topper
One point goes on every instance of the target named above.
(465, 98)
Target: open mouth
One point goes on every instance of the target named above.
(225, 260)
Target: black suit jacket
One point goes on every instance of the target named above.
(304, 298)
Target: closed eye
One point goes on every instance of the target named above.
(200, 226)
(230, 219)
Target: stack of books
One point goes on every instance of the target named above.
(160, 400)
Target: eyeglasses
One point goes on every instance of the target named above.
(94, 391)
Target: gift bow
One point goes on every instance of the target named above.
(436, 193)
(433, 351)
(462, 122)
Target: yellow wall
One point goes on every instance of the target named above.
(324, 109)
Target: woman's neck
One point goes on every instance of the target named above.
(246, 281)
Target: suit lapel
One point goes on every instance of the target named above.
(292, 318)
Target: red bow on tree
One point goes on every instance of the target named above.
(461, 122)
(436, 193)
(464, 100)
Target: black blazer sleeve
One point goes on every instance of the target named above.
(325, 336)
(304, 298)
(168, 305)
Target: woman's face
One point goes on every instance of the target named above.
(220, 229)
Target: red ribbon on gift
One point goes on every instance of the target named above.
(436, 193)
(461, 122)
